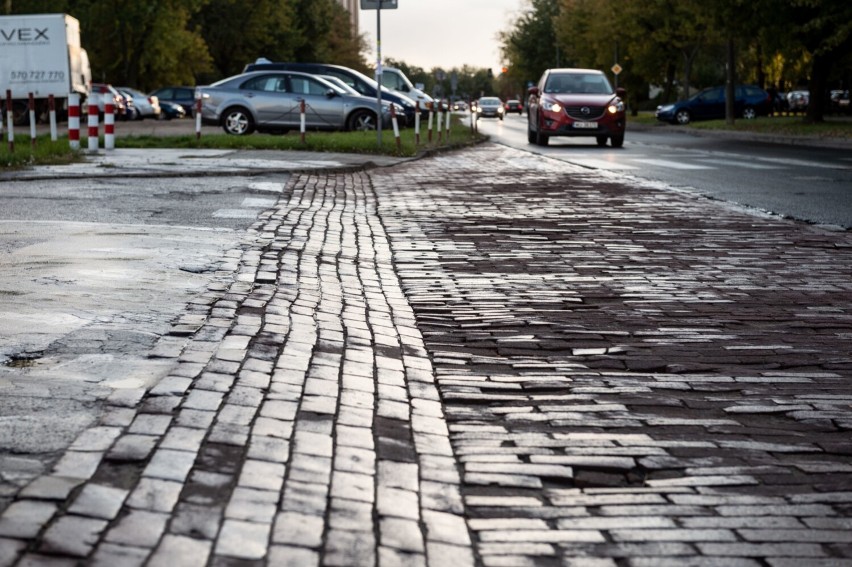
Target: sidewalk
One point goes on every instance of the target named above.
(129, 163)
(481, 358)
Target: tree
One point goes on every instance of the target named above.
(824, 28)
(531, 46)
(264, 31)
(324, 35)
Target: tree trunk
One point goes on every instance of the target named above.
(819, 79)
(730, 83)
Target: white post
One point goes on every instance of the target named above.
(417, 123)
(52, 108)
(32, 120)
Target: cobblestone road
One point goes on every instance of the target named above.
(484, 358)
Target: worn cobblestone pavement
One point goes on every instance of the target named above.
(483, 358)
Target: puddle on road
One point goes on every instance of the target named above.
(24, 360)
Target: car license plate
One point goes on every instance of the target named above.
(592, 125)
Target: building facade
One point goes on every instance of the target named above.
(353, 6)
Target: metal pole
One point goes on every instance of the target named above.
(379, 74)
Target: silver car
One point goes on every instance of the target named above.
(269, 101)
(144, 106)
(490, 106)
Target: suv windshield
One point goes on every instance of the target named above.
(577, 83)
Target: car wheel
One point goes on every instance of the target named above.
(682, 116)
(362, 120)
(237, 121)
(601, 140)
(541, 139)
(530, 134)
(617, 141)
(749, 113)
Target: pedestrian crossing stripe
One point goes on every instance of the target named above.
(252, 206)
(673, 164)
(734, 163)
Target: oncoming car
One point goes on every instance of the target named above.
(270, 101)
(576, 102)
(490, 106)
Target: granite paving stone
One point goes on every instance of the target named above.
(479, 358)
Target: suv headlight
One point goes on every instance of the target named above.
(551, 106)
(615, 106)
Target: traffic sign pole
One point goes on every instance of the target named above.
(378, 5)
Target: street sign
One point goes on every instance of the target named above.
(378, 4)
(616, 69)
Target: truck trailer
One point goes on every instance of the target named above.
(41, 54)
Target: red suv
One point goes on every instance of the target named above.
(576, 102)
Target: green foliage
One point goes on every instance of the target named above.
(152, 43)
(45, 152)
(264, 31)
(531, 46)
(681, 44)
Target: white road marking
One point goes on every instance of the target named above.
(267, 186)
(601, 164)
(257, 203)
(735, 163)
(235, 213)
(672, 164)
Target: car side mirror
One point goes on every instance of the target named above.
(330, 93)
(533, 91)
(621, 92)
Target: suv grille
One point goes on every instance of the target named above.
(585, 112)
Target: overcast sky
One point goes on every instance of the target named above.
(442, 33)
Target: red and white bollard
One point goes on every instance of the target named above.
(448, 123)
(417, 123)
(93, 122)
(31, 108)
(74, 121)
(10, 121)
(431, 109)
(109, 121)
(302, 120)
(51, 107)
(395, 128)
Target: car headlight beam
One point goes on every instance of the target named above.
(616, 107)
(552, 106)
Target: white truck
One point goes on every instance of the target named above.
(41, 54)
(396, 80)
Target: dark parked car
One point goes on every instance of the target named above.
(270, 101)
(358, 81)
(171, 110)
(575, 102)
(184, 96)
(709, 104)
